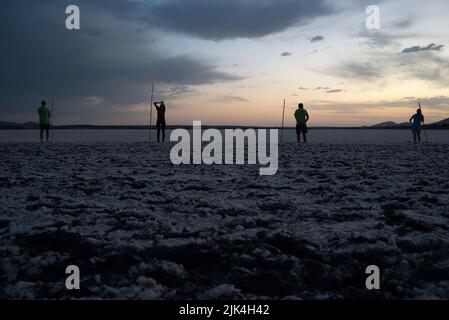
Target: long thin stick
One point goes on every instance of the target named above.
(52, 116)
(283, 121)
(424, 128)
(151, 110)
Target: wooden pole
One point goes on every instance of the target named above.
(52, 115)
(283, 122)
(151, 111)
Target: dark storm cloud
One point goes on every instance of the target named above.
(430, 47)
(110, 61)
(218, 19)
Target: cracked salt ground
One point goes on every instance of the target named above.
(139, 227)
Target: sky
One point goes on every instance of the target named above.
(225, 62)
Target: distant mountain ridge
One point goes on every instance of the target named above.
(390, 124)
(387, 124)
(444, 124)
(18, 126)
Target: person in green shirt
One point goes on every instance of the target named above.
(44, 120)
(302, 117)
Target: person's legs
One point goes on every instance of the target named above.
(298, 134)
(158, 127)
(47, 133)
(414, 135)
(42, 134)
(304, 133)
(418, 133)
(164, 125)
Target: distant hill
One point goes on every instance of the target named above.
(18, 126)
(8, 125)
(443, 124)
(390, 125)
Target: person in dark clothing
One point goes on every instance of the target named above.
(160, 124)
(302, 117)
(417, 123)
(44, 120)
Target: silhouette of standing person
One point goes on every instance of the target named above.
(44, 120)
(302, 117)
(160, 124)
(417, 122)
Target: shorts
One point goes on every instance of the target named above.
(301, 128)
(416, 130)
(161, 122)
(45, 127)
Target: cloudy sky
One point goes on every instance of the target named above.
(225, 61)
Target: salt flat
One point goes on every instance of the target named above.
(141, 228)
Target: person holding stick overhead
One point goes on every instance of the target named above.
(424, 128)
(161, 123)
(417, 123)
(302, 117)
(44, 120)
